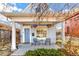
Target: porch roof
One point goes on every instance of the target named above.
(32, 15)
(55, 17)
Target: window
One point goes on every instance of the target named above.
(41, 32)
(67, 29)
(32, 34)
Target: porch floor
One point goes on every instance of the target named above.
(22, 48)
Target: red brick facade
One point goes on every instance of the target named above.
(72, 25)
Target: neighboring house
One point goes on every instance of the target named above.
(6, 30)
(72, 25)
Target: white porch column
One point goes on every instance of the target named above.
(23, 35)
(30, 36)
(55, 30)
(63, 33)
(13, 43)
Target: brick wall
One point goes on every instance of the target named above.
(72, 25)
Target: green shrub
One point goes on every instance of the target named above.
(44, 52)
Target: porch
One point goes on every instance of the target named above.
(36, 27)
(22, 48)
(29, 30)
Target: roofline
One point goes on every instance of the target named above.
(72, 15)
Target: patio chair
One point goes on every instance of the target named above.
(35, 41)
(48, 41)
(41, 42)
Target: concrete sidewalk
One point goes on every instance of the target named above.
(22, 48)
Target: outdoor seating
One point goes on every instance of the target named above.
(48, 41)
(35, 41)
(42, 42)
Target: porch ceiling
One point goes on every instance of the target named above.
(39, 23)
(54, 17)
(28, 19)
(17, 14)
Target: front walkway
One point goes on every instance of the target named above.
(22, 48)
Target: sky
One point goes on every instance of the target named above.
(54, 6)
(21, 5)
(18, 7)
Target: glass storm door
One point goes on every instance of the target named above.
(27, 35)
